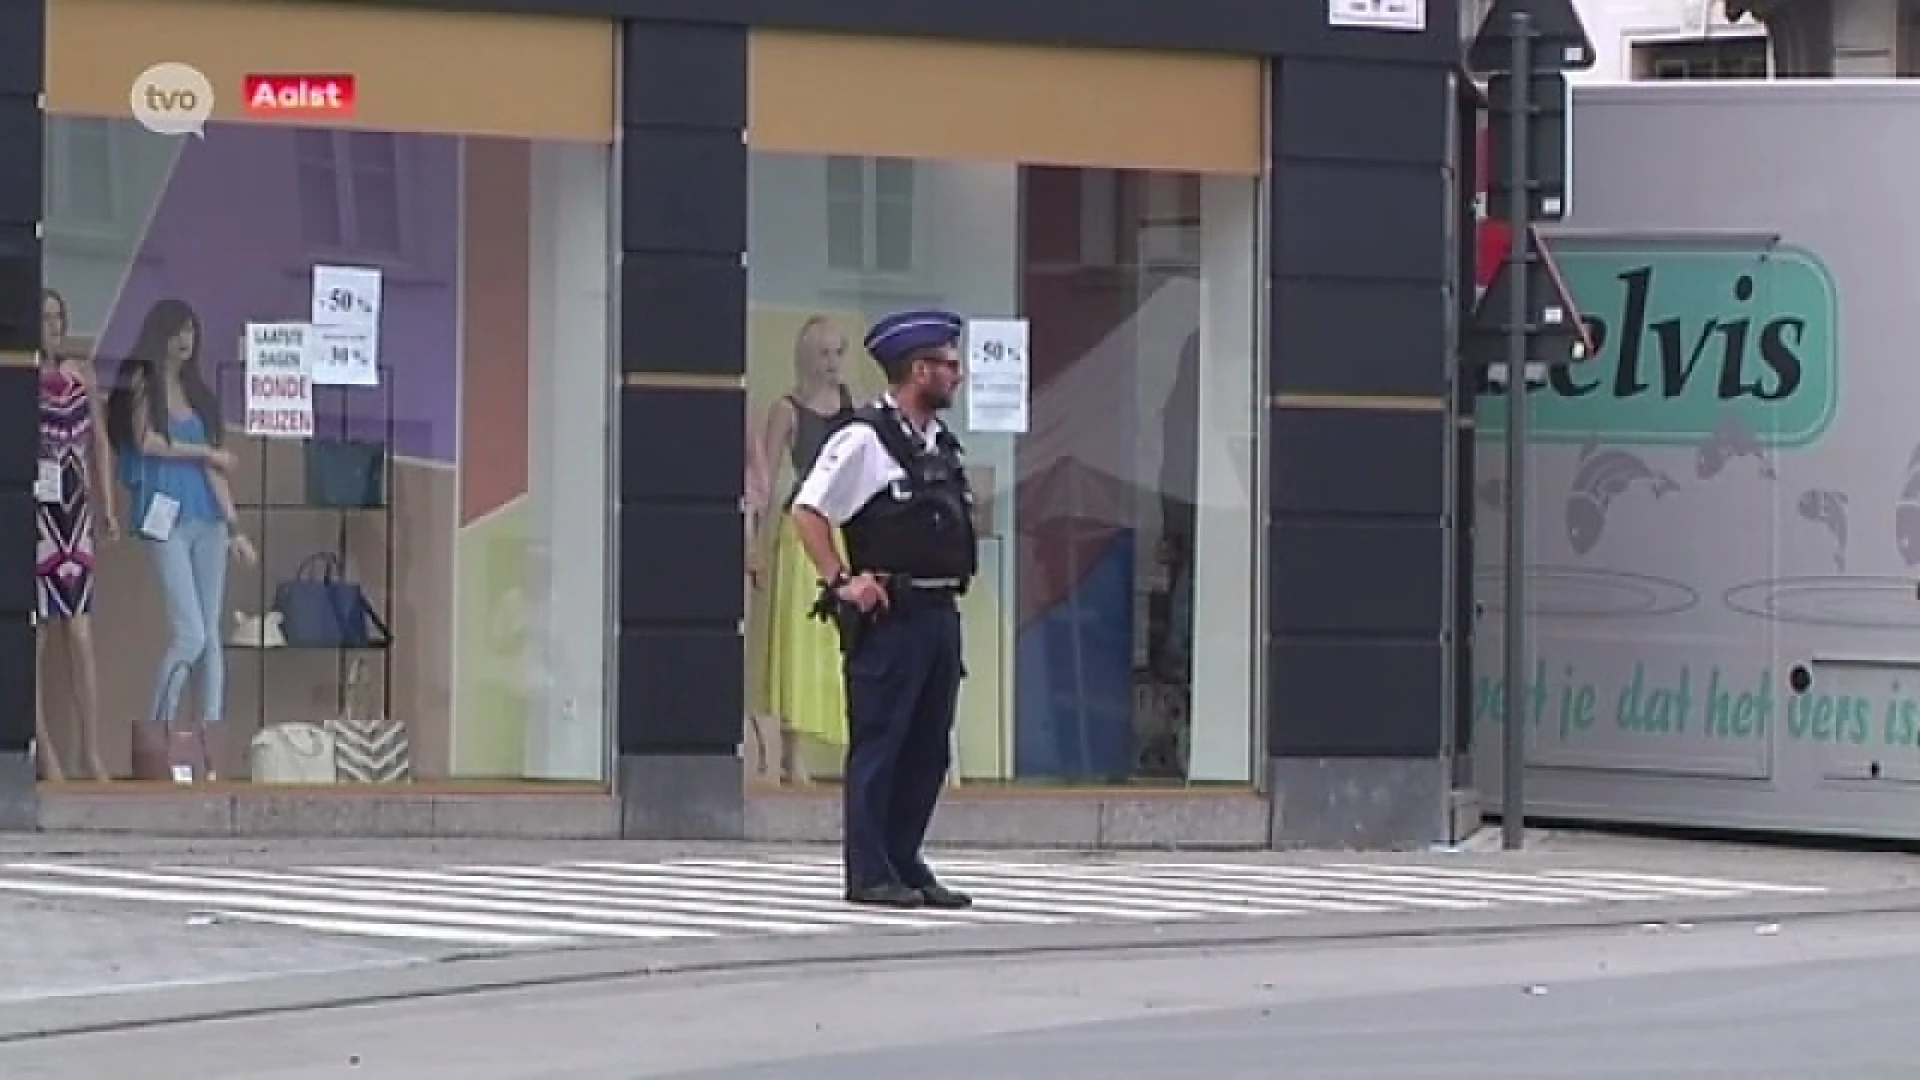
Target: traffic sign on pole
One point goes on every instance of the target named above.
(1556, 331)
(1530, 42)
(1549, 138)
(1559, 39)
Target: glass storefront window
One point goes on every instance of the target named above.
(1111, 634)
(459, 485)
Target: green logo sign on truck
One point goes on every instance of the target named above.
(1689, 334)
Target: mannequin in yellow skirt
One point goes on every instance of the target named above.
(804, 688)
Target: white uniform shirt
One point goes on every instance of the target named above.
(852, 468)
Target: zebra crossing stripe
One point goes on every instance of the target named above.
(460, 882)
(483, 898)
(368, 921)
(366, 903)
(1276, 899)
(1301, 893)
(375, 928)
(787, 881)
(1676, 883)
(1580, 888)
(1265, 892)
(1470, 882)
(1007, 898)
(516, 906)
(1439, 892)
(785, 890)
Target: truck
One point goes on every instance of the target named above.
(1724, 501)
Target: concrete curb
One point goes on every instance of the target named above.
(488, 972)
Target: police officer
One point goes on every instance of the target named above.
(891, 480)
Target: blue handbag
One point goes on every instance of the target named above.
(321, 608)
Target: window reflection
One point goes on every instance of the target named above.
(1117, 531)
(462, 491)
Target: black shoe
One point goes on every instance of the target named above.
(893, 896)
(943, 898)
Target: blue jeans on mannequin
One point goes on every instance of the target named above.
(192, 564)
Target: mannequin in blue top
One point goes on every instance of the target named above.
(164, 423)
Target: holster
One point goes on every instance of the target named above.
(848, 620)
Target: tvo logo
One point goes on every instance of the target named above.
(172, 99)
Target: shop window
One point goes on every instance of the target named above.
(84, 149)
(351, 185)
(1100, 218)
(1108, 634)
(460, 487)
(870, 215)
(90, 201)
(1735, 56)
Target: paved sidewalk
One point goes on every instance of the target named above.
(58, 952)
(91, 915)
(80, 944)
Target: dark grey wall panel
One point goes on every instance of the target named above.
(1374, 352)
(682, 446)
(1403, 111)
(20, 277)
(694, 75)
(18, 537)
(17, 677)
(1356, 463)
(23, 47)
(22, 138)
(1356, 580)
(683, 190)
(1369, 222)
(1357, 551)
(673, 682)
(675, 543)
(19, 428)
(1353, 699)
(1360, 258)
(683, 306)
(22, 165)
(1463, 620)
(680, 313)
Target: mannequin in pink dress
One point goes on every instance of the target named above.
(74, 465)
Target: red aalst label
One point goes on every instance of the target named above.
(298, 95)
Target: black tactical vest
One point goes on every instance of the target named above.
(922, 525)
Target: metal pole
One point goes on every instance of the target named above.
(1519, 210)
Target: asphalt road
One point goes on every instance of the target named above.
(1808, 1000)
(1805, 1022)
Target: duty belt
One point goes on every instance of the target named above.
(908, 581)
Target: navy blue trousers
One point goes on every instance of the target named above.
(903, 683)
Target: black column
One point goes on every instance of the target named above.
(683, 308)
(1357, 548)
(1468, 105)
(23, 47)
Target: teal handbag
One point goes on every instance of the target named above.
(346, 474)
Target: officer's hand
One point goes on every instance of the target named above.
(865, 592)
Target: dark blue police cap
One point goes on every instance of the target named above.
(900, 335)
